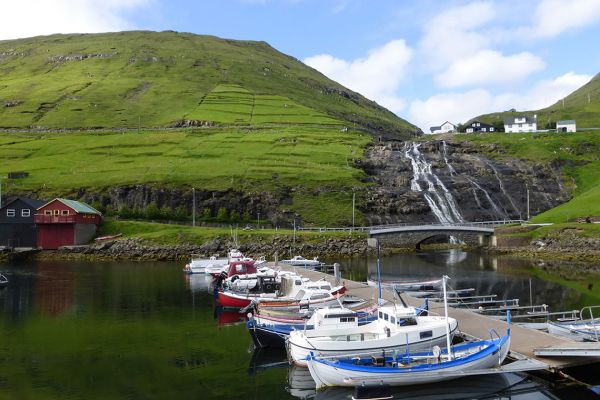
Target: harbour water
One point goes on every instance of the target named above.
(129, 330)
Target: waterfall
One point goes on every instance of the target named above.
(436, 194)
(445, 152)
(501, 184)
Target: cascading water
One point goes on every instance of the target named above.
(501, 184)
(438, 197)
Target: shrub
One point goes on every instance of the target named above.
(152, 211)
(222, 215)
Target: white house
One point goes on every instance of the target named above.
(566, 126)
(521, 123)
(446, 127)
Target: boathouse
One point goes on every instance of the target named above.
(17, 225)
(63, 222)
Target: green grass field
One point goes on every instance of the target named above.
(155, 79)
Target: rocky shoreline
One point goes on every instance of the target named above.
(137, 249)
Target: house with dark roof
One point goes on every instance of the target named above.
(520, 123)
(477, 126)
(17, 225)
(567, 125)
(63, 222)
(446, 127)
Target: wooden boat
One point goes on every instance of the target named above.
(396, 328)
(410, 368)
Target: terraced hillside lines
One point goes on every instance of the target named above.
(156, 79)
(233, 104)
(215, 159)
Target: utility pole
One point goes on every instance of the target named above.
(294, 230)
(353, 204)
(193, 206)
(258, 221)
(0, 194)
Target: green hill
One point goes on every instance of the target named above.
(583, 106)
(166, 79)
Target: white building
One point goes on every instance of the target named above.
(446, 127)
(521, 123)
(566, 126)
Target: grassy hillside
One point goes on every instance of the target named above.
(157, 79)
(578, 154)
(583, 105)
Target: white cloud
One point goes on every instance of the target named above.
(553, 17)
(25, 18)
(377, 77)
(459, 107)
(453, 33)
(489, 67)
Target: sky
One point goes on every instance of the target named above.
(428, 61)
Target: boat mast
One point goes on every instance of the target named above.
(444, 279)
(378, 274)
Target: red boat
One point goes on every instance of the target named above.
(230, 300)
(238, 267)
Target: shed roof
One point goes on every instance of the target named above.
(78, 206)
(33, 203)
(566, 122)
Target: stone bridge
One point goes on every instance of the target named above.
(405, 235)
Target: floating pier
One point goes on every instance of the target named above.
(539, 349)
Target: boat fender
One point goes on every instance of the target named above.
(387, 331)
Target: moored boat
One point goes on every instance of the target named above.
(396, 328)
(300, 261)
(411, 368)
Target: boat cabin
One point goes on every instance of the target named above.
(396, 317)
(306, 295)
(244, 267)
(327, 318)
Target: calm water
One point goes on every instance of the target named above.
(74, 330)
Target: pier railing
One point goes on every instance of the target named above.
(476, 224)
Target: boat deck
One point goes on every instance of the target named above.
(525, 343)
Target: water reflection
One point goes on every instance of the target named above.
(508, 278)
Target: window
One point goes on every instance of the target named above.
(56, 212)
(393, 320)
(426, 334)
(26, 213)
(47, 212)
(380, 315)
(386, 317)
(10, 212)
(65, 212)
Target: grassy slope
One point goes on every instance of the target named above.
(578, 153)
(576, 106)
(157, 78)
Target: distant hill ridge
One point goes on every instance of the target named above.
(166, 79)
(583, 106)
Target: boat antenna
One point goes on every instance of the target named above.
(401, 299)
(378, 274)
(444, 279)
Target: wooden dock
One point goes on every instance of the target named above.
(525, 343)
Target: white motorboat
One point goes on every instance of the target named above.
(198, 264)
(299, 261)
(396, 328)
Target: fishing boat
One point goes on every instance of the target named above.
(396, 328)
(412, 367)
(273, 332)
(3, 281)
(299, 261)
(275, 288)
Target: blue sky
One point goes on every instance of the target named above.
(428, 61)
